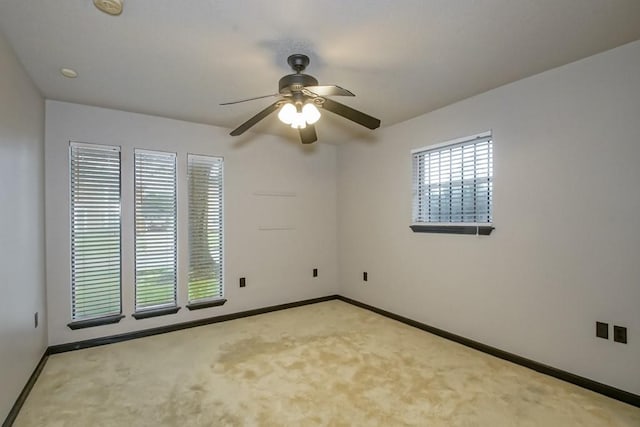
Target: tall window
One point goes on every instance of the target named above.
(453, 183)
(155, 231)
(95, 231)
(205, 228)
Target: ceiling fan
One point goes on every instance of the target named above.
(300, 96)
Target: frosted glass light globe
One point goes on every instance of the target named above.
(311, 113)
(299, 121)
(287, 113)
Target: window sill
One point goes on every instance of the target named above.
(155, 312)
(206, 304)
(481, 230)
(81, 324)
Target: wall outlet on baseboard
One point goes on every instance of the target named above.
(620, 334)
(243, 282)
(315, 272)
(35, 319)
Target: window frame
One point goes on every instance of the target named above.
(216, 300)
(86, 322)
(452, 227)
(164, 309)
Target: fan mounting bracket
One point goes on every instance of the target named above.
(298, 62)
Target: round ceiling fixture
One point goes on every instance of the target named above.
(112, 7)
(69, 72)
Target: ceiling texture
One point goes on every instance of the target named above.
(403, 58)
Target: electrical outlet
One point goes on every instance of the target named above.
(35, 319)
(620, 334)
(315, 272)
(602, 330)
(365, 276)
(243, 282)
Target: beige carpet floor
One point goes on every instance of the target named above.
(327, 364)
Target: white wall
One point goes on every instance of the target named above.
(566, 249)
(22, 228)
(277, 264)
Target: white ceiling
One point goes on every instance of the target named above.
(402, 58)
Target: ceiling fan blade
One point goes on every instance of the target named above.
(248, 99)
(255, 119)
(332, 90)
(351, 114)
(308, 134)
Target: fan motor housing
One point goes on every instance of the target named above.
(295, 83)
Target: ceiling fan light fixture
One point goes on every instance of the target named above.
(297, 117)
(300, 95)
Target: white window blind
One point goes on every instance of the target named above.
(454, 183)
(155, 230)
(95, 231)
(205, 228)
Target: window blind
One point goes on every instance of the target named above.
(205, 228)
(95, 231)
(155, 230)
(454, 183)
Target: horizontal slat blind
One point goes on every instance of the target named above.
(155, 229)
(95, 231)
(205, 228)
(454, 184)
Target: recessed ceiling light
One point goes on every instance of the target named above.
(112, 7)
(68, 72)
